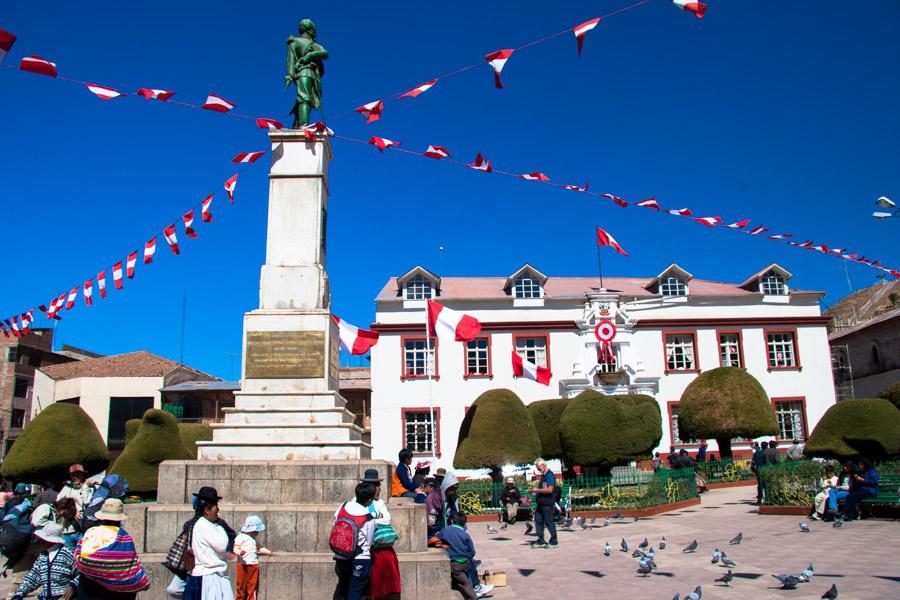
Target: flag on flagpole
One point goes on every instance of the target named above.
(529, 370)
(354, 340)
(604, 239)
(450, 324)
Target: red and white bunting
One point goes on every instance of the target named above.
(15, 327)
(102, 92)
(101, 283)
(649, 203)
(60, 302)
(709, 221)
(451, 325)
(529, 370)
(354, 340)
(204, 209)
(188, 219)
(247, 157)
(13, 330)
(419, 89)
(318, 127)
(582, 29)
(382, 143)
(263, 123)
(117, 275)
(89, 292)
(576, 188)
(780, 236)
(681, 212)
(824, 250)
(481, 164)
(371, 111)
(437, 152)
(70, 301)
(698, 8)
(604, 239)
(806, 244)
(130, 261)
(171, 239)
(615, 199)
(36, 64)
(840, 250)
(230, 184)
(739, 224)
(27, 320)
(218, 104)
(497, 60)
(149, 250)
(152, 94)
(757, 230)
(536, 176)
(6, 43)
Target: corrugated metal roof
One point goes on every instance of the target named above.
(203, 386)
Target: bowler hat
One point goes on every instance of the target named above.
(371, 476)
(209, 494)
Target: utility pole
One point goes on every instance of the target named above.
(183, 324)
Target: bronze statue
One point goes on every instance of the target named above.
(305, 68)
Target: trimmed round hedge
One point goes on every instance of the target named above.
(191, 433)
(892, 394)
(61, 435)
(606, 431)
(157, 439)
(496, 431)
(861, 427)
(546, 415)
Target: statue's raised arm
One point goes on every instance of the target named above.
(305, 68)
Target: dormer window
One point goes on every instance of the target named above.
(772, 284)
(672, 286)
(418, 287)
(527, 286)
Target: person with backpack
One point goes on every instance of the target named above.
(384, 578)
(351, 542)
(54, 571)
(16, 529)
(77, 488)
(211, 539)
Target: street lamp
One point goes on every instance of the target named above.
(885, 202)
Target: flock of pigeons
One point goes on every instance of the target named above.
(647, 557)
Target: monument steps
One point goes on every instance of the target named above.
(275, 400)
(279, 433)
(287, 416)
(344, 450)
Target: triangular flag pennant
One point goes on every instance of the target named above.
(497, 60)
(698, 8)
(117, 275)
(230, 184)
(354, 340)
(649, 203)
(604, 239)
(6, 43)
(451, 325)
(739, 224)
(247, 157)
(102, 92)
(205, 215)
(481, 164)
(268, 124)
(371, 111)
(419, 89)
(218, 104)
(582, 29)
(536, 176)
(101, 283)
(36, 64)
(437, 152)
(709, 221)
(129, 264)
(584, 188)
(615, 199)
(151, 94)
(382, 143)
(89, 292)
(681, 212)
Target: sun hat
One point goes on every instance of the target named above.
(76, 468)
(112, 510)
(510, 480)
(52, 533)
(209, 494)
(371, 476)
(423, 464)
(253, 523)
(442, 472)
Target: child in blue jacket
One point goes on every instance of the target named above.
(461, 548)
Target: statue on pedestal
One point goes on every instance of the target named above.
(305, 68)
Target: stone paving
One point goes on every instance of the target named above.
(858, 557)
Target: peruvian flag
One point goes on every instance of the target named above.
(450, 324)
(89, 292)
(805, 244)
(382, 143)
(59, 304)
(497, 60)
(70, 301)
(36, 64)
(582, 29)
(15, 330)
(529, 370)
(648, 203)
(101, 283)
(171, 239)
(230, 184)
(6, 43)
(247, 157)
(354, 340)
(268, 124)
(604, 239)
(218, 104)
(15, 327)
(780, 236)
(117, 275)
(758, 230)
(371, 111)
(437, 152)
(319, 127)
(681, 212)
(536, 176)
(151, 94)
(104, 93)
(739, 224)
(709, 221)
(698, 8)
(188, 219)
(481, 164)
(419, 89)
(149, 250)
(129, 264)
(204, 209)
(583, 188)
(27, 320)
(616, 199)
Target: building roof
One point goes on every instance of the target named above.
(355, 378)
(864, 305)
(203, 386)
(132, 364)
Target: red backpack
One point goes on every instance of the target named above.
(344, 538)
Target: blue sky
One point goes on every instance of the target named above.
(785, 113)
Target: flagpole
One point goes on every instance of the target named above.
(428, 371)
(600, 266)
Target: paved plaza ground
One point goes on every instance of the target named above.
(858, 557)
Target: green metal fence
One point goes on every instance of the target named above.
(716, 471)
(627, 490)
(795, 483)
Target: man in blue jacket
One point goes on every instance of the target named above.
(461, 548)
(864, 484)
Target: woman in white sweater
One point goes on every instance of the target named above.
(211, 541)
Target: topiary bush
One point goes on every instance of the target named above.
(546, 415)
(191, 433)
(892, 394)
(61, 435)
(605, 431)
(497, 430)
(157, 439)
(862, 427)
(723, 404)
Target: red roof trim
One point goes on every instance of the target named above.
(731, 322)
(485, 326)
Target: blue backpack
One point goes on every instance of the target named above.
(15, 531)
(113, 486)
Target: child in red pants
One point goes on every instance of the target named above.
(246, 549)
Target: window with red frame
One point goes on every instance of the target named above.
(730, 349)
(533, 349)
(789, 414)
(680, 355)
(781, 350)
(478, 357)
(418, 358)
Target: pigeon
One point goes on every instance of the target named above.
(695, 595)
(644, 568)
(593, 520)
(636, 553)
(831, 593)
(804, 527)
(607, 549)
(616, 516)
(644, 544)
(662, 543)
(568, 523)
(726, 578)
(504, 526)
(727, 562)
(788, 582)
(806, 574)
(584, 524)
(677, 596)
(528, 527)
(637, 518)
(692, 547)
(838, 521)
(606, 522)
(737, 539)
(491, 529)
(716, 556)
(624, 545)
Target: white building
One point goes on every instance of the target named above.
(670, 327)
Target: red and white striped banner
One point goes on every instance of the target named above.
(205, 215)
(171, 239)
(104, 93)
(217, 104)
(117, 275)
(188, 219)
(130, 261)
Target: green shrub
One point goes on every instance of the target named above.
(606, 431)
(191, 433)
(61, 435)
(723, 404)
(157, 439)
(861, 427)
(892, 394)
(546, 415)
(497, 430)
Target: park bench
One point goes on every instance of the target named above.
(888, 494)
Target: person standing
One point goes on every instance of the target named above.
(77, 489)
(353, 573)
(384, 578)
(544, 501)
(701, 453)
(211, 540)
(54, 571)
(248, 552)
(771, 453)
(756, 463)
(511, 498)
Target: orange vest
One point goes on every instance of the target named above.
(397, 488)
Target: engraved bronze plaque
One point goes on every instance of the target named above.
(285, 354)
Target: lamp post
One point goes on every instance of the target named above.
(891, 209)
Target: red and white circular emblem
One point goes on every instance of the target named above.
(605, 331)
